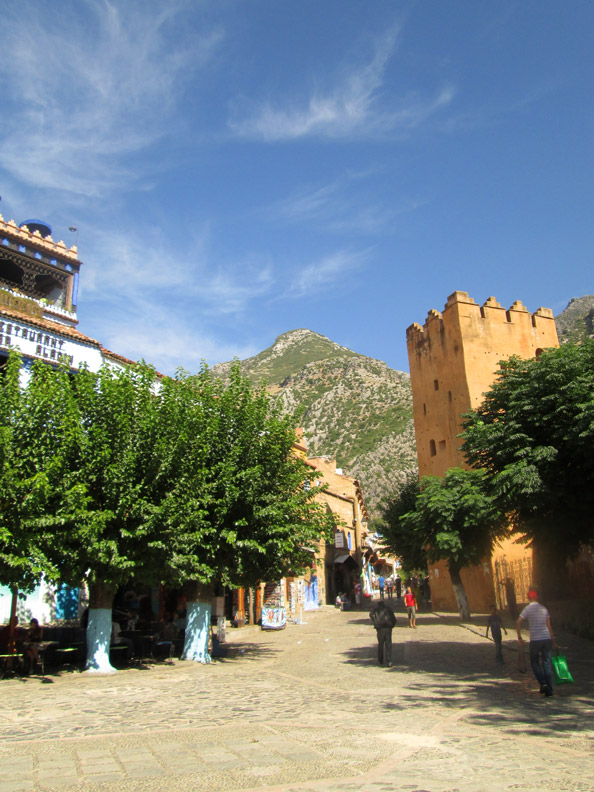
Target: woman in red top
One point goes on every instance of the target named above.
(410, 603)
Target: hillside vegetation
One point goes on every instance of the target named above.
(576, 322)
(355, 408)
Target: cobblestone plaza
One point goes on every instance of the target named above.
(308, 708)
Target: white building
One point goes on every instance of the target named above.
(38, 300)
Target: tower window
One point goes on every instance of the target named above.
(432, 449)
(424, 409)
(436, 384)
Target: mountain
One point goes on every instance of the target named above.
(576, 322)
(355, 408)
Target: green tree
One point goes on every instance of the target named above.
(454, 519)
(33, 420)
(101, 528)
(398, 539)
(183, 481)
(534, 434)
(240, 512)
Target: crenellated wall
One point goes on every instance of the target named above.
(453, 361)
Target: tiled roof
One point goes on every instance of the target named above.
(47, 324)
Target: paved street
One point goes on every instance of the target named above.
(308, 708)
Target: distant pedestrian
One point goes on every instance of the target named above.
(410, 603)
(398, 586)
(390, 587)
(383, 620)
(495, 625)
(542, 641)
(381, 581)
(510, 595)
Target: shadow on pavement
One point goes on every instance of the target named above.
(247, 651)
(458, 674)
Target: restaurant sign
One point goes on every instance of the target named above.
(39, 343)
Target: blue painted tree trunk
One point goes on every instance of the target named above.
(98, 641)
(197, 632)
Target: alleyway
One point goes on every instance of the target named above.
(308, 708)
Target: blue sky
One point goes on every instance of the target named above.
(239, 169)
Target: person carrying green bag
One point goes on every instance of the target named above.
(561, 669)
(542, 641)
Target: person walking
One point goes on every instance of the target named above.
(384, 621)
(542, 641)
(33, 645)
(398, 586)
(410, 603)
(390, 587)
(495, 625)
(381, 583)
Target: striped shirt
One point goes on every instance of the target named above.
(536, 616)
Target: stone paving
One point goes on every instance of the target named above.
(308, 708)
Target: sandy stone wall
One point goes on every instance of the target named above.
(453, 360)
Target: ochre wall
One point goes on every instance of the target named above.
(453, 361)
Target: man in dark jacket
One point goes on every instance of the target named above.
(383, 620)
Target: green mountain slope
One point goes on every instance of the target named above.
(356, 409)
(576, 322)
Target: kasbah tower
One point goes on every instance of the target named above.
(453, 361)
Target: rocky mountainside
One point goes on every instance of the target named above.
(355, 408)
(576, 322)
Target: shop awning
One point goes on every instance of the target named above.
(342, 559)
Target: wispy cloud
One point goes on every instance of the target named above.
(354, 107)
(172, 344)
(353, 204)
(151, 270)
(87, 84)
(317, 276)
(168, 304)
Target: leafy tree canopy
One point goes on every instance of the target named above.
(33, 457)
(397, 538)
(534, 434)
(452, 519)
(455, 518)
(120, 475)
(240, 513)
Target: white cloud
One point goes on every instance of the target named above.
(149, 271)
(172, 344)
(86, 84)
(307, 204)
(354, 204)
(319, 275)
(354, 107)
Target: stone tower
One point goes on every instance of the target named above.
(453, 360)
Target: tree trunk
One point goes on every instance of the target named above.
(252, 607)
(460, 594)
(199, 599)
(12, 620)
(99, 629)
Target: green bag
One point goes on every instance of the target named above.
(560, 669)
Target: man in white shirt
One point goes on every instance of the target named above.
(542, 641)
